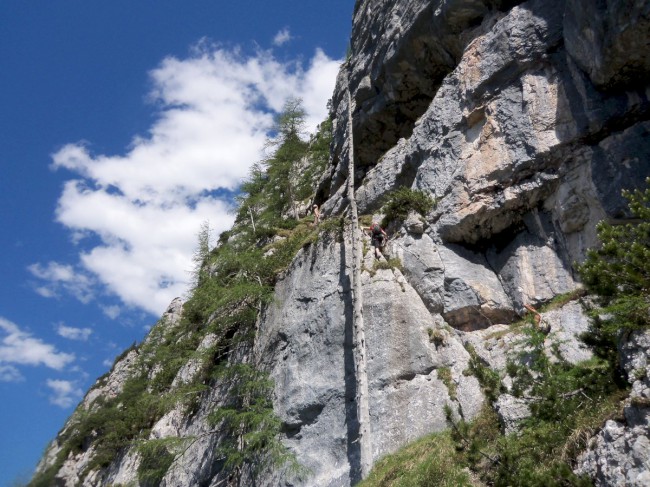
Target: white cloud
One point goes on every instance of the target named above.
(19, 347)
(147, 205)
(282, 37)
(64, 393)
(112, 311)
(71, 333)
(63, 277)
(9, 373)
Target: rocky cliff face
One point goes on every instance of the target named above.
(524, 120)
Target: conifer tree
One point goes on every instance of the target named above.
(619, 271)
(201, 254)
(290, 149)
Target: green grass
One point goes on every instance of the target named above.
(437, 336)
(390, 263)
(365, 221)
(430, 461)
(444, 374)
(476, 453)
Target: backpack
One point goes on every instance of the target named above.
(376, 231)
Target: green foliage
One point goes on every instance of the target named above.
(436, 336)
(475, 440)
(247, 422)
(621, 266)
(278, 185)
(290, 122)
(112, 426)
(47, 477)
(199, 272)
(565, 399)
(619, 274)
(430, 461)
(444, 374)
(403, 200)
(231, 284)
(619, 271)
(318, 154)
(156, 456)
(271, 190)
(487, 377)
(569, 402)
(365, 221)
(544, 450)
(335, 225)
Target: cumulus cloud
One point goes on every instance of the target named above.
(215, 110)
(282, 37)
(63, 277)
(64, 393)
(72, 333)
(21, 348)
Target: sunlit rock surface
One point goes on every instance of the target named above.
(524, 120)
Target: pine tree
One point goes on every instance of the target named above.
(619, 271)
(290, 149)
(201, 254)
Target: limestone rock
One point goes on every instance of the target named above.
(620, 453)
(473, 295)
(494, 345)
(112, 385)
(567, 324)
(306, 340)
(414, 224)
(609, 40)
(511, 410)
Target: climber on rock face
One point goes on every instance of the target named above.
(316, 211)
(378, 238)
(539, 322)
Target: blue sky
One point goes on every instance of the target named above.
(124, 125)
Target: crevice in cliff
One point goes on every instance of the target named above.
(350, 405)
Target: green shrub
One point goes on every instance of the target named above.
(250, 429)
(488, 378)
(565, 399)
(155, 460)
(618, 273)
(569, 402)
(403, 200)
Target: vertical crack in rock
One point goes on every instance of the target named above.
(351, 410)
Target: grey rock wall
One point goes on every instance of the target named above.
(522, 151)
(306, 341)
